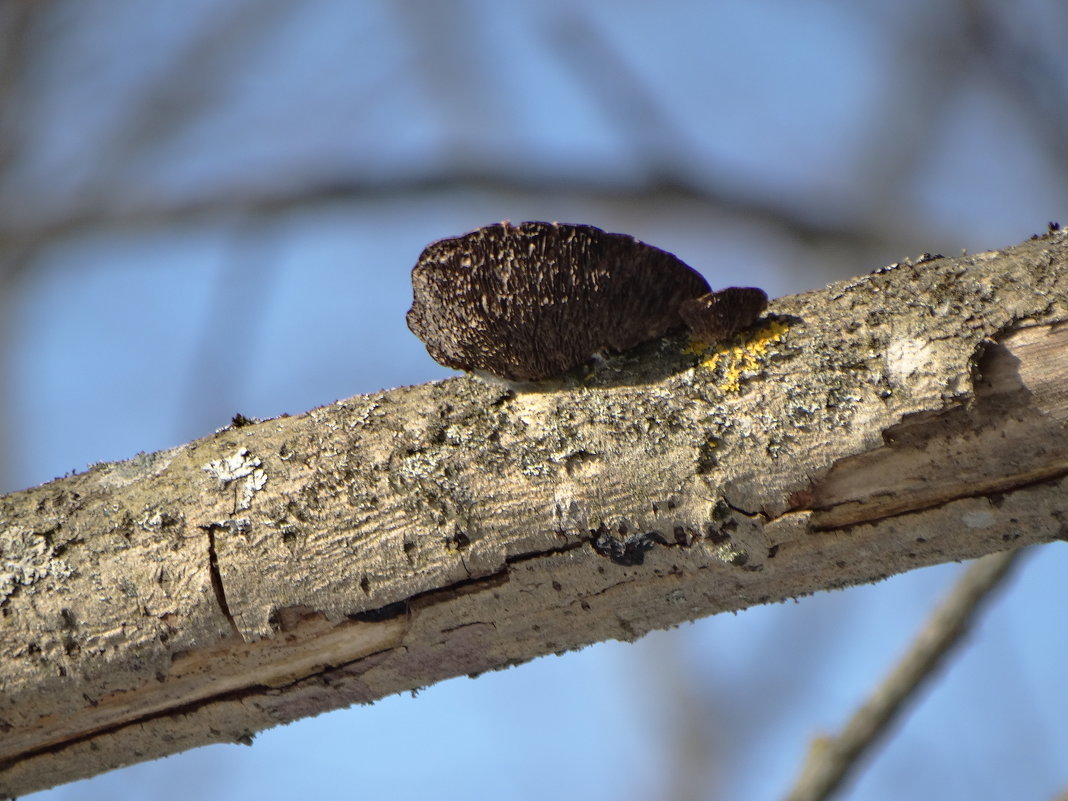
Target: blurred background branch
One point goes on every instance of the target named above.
(831, 759)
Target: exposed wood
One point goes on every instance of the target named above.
(273, 571)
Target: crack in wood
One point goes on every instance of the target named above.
(216, 575)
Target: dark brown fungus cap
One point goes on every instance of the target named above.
(721, 315)
(531, 301)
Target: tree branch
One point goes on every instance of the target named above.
(274, 571)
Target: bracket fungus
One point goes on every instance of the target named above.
(532, 301)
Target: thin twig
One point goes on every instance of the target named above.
(831, 759)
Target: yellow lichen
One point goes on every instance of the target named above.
(741, 356)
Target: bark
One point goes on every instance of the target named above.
(273, 571)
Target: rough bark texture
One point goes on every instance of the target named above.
(273, 571)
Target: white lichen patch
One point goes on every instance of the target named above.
(27, 557)
(910, 359)
(242, 466)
